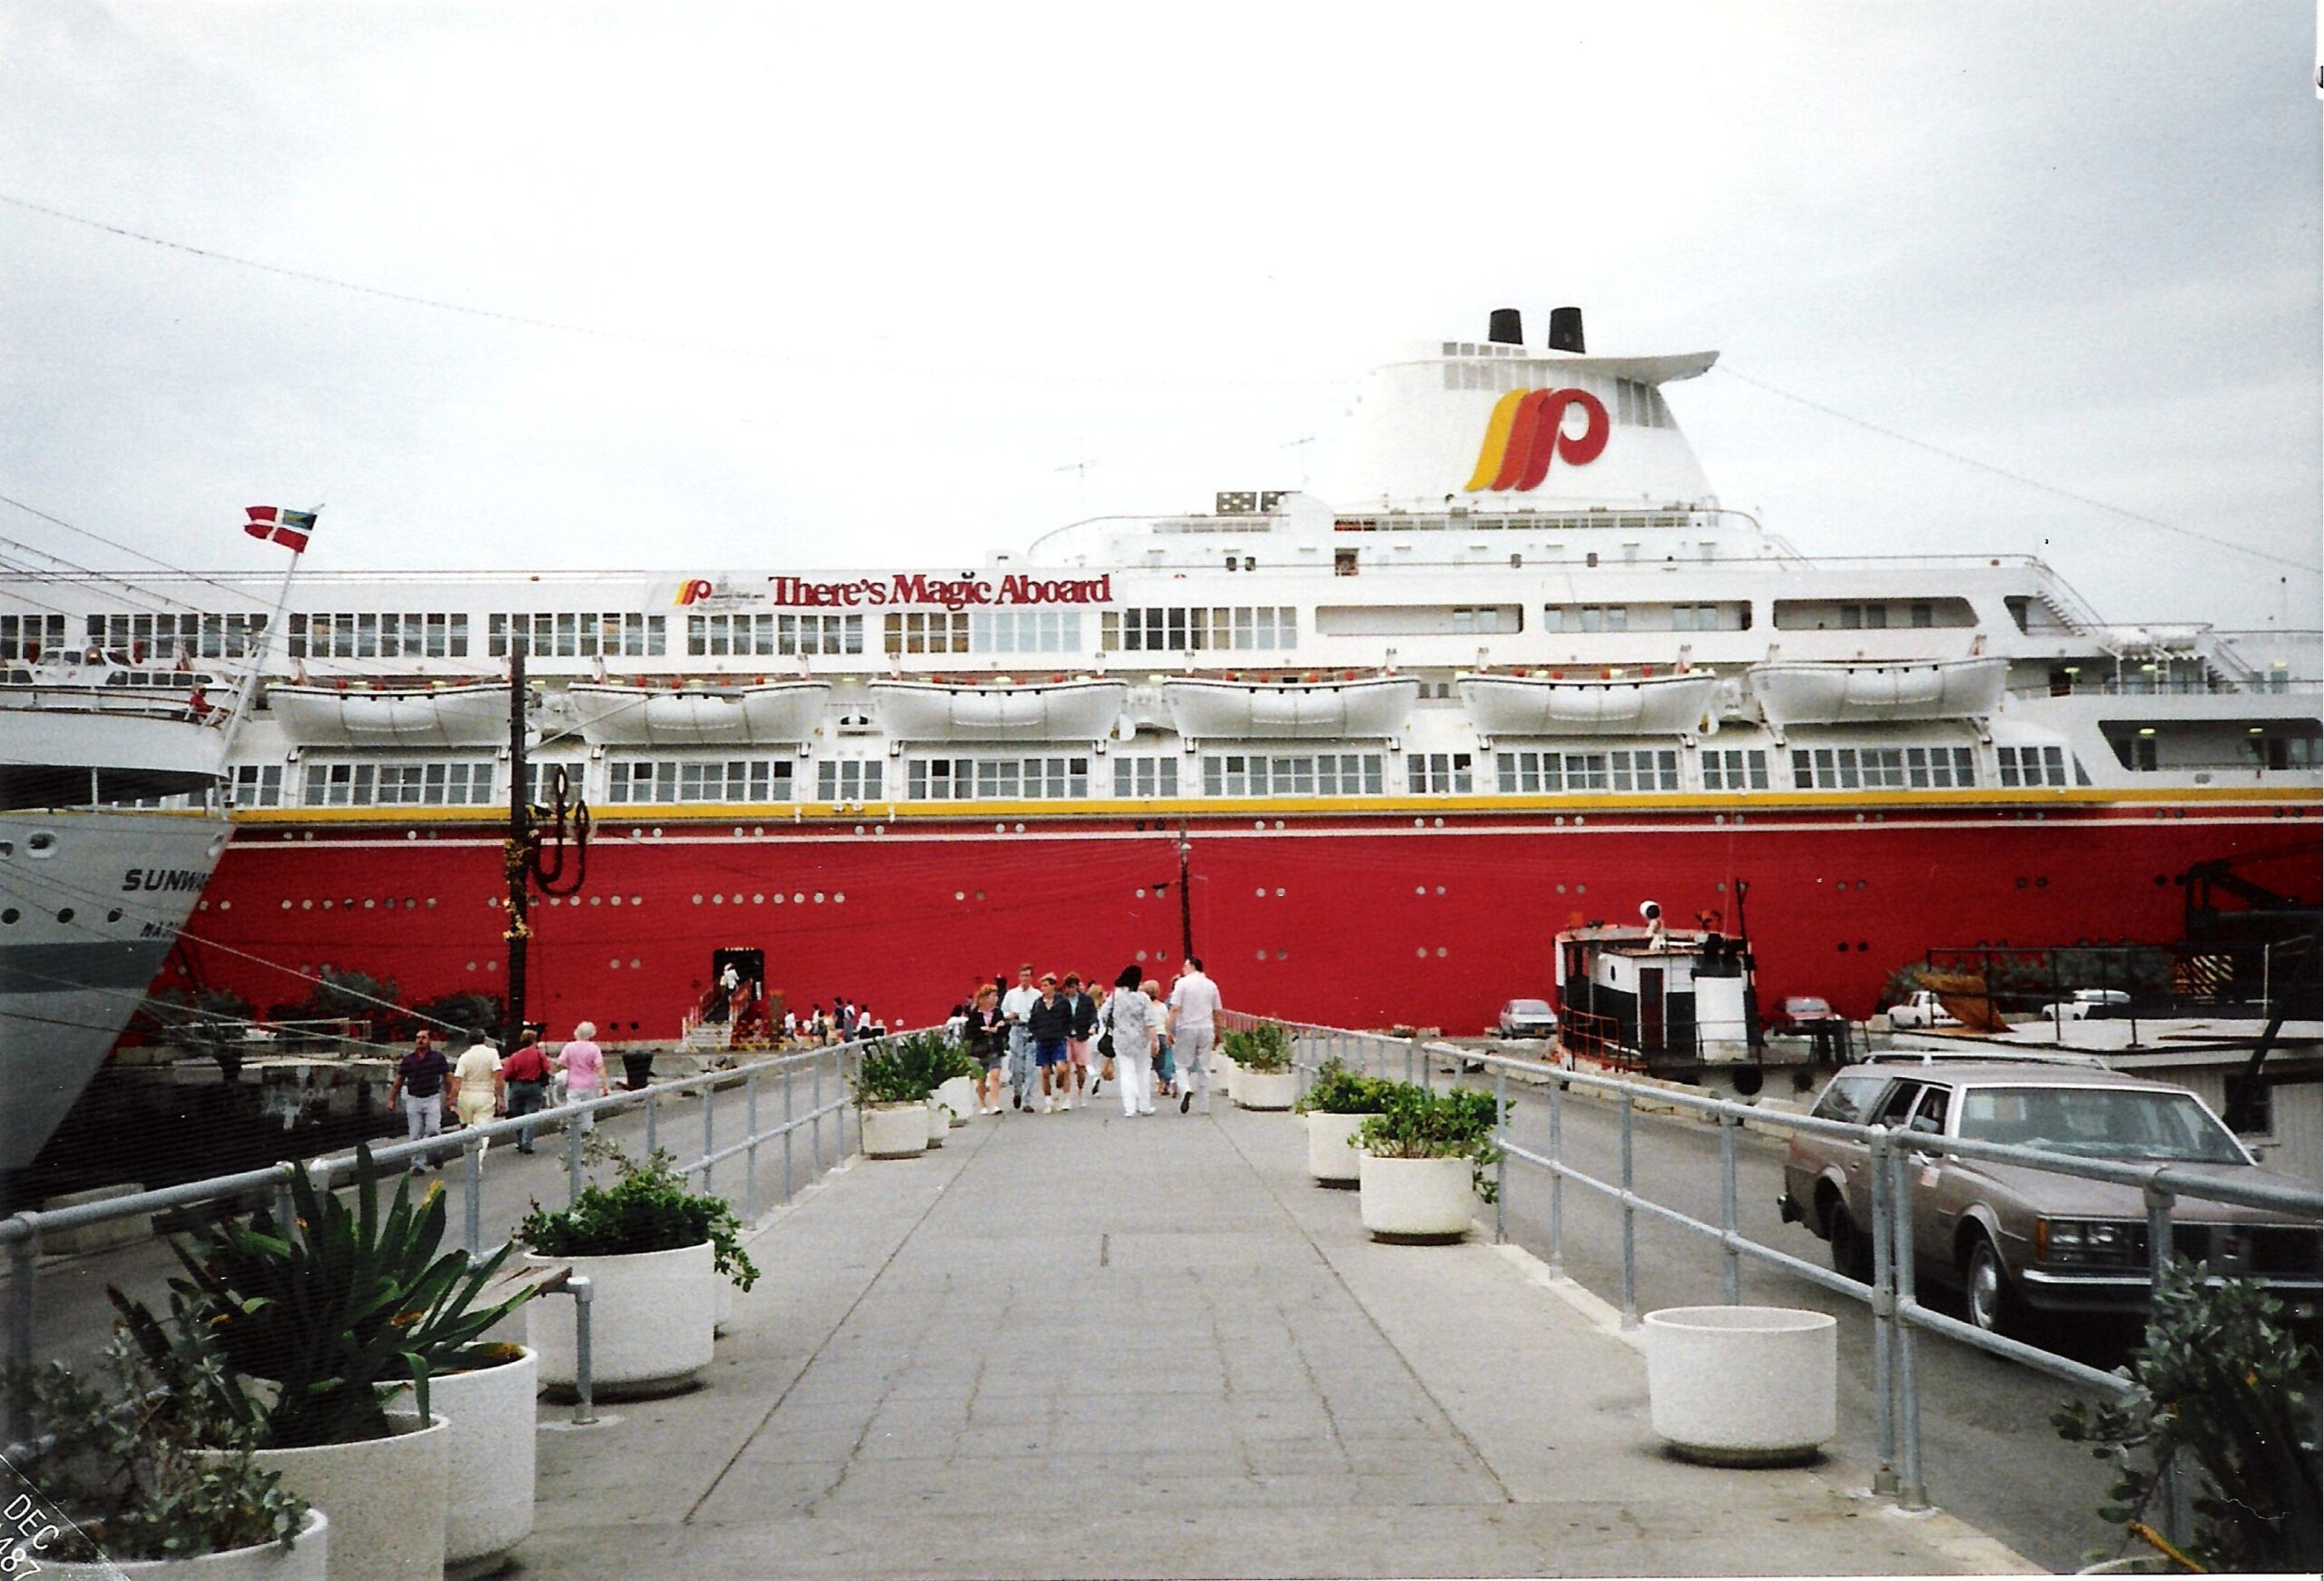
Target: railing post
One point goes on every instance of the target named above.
(709, 1136)
(1884, 1317)
(1912, 1492)
(573, 1158)
(1557, 1176)
(750, 1155)
(24, 1299)
(653, 1121)
(1732, 1271)
(472, 1176)
(815, 1107)
(1412, 1047)
(788, 1072)
(2178, 1514)
(584, 1405)
(1630, 1217)
(1501, 1152)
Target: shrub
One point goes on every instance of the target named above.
(1338, 1089)
(1415, 1123)
(117, 1453)
(1265, 1048)
(885, 1074)
(2224, 1384)
(647, 1209)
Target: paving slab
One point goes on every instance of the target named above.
(1079, 1345)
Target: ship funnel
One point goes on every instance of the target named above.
(1565, 329)
(1507, 328)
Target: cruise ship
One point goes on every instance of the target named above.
(1367, 749)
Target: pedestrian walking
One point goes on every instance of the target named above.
(1080, 1074)
(988, 1040)
(1050, 1024)
(477, 1091)
(1129, 1020)
(1193, 1028)
(418, 1085)
(526, 1072)
(1015, 1005)
(584, 1064)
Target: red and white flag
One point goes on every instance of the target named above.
(287, 528)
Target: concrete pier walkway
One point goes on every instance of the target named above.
(1077, 1345)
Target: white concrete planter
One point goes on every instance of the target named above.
(1330, 1160)
(939, 1123)
(306, 1561)
(1223, 1074)
(1266, 1089)
(1743, 1385)
(651, 1317)
(895, 1130)
(1415, 1199)
(385, 1497)
(723, 1308)
(958, 1094)
(489, 1510)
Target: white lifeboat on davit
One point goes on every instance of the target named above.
(768, 713)
(1558, 702)
(364, 714)
(1840, 691)
(1311, 708)
(999, 710)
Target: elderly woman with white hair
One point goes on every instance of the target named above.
(584, 1064)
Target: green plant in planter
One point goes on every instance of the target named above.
(647, 1208)
(332, 1313)
(1416, 1123)
(119, 1454)
(926, 1058)
(1264, 1049)
(2227, 1386)
(1340, 1089)
(885, 1074)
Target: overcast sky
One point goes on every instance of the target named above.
(875, 285)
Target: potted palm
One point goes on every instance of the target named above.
(891, 1091)
(330, 1330)
(1264, 1078)
(128, 1485)
(1422, 1159)
(1336, 1103)
(653, 1251)
(933, 1063)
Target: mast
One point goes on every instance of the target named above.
(1186, 899)
(515, 858)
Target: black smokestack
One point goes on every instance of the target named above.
(1508, 326)
(1565, 329)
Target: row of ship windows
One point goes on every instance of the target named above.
(655, 780)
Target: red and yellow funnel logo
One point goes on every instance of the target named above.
(1527, 432)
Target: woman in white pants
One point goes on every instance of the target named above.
(1134, 1019)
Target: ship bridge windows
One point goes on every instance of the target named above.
(1734, 769)
(1729, 616)
(2023, 766)
(1535, 773)
(1292, 774)
(848, 779)
(1440, 774)
(1145, 778)
(27, 637)
(928, 632)
(1407, 620)
(748, 635)
(399, 784)
(256, 785)
(1025, 631)
(632, 779)
(1178, 630)
(996, 778)
(579, 635)
(1883, 767)
(369, 635)
(1815, 614)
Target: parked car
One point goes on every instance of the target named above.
(2014, 1237)
(1921, 1008)
(1803, 1015)
(2084, 1003)
(1528, 1019)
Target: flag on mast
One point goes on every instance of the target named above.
(287, 528)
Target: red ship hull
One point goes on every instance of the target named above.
(1371, 919)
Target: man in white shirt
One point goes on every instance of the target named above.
(1192, 1030)
(1015, 1005)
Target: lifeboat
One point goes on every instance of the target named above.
(999, 710)
(357, 714)
(1305, 710)
(1561, 705)
(1839, 693)
(770, 713)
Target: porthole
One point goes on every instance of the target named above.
(759, 898)
(1141, 955)
(778, 899)
(1137, 894)
(310, 905)
(1261, 824)
(1580, 888)
(617, 899)
(327, 905)
(979, 894)
(1283, 954)
(7, 848)
(10, 916)
(597, 900)
(113, 915)
(614, 964)
(797, 898)
(838, 898)
(1561, 889)
(697, 900)
(718, 900)
(738, 899)
(1440, 888)
(738, 834)
(634, 900)
(959, 894)
(1020, 829)
(369, 904)
(1441, 952)
(286, 906)
(633, 965)
(431, 902)
(859, 828)
(225, 905)
(2041, 883)
(1278, 894)
(42, 844)
(1439, 823)
(1422, 952)
(1420, 888)
(492, 966)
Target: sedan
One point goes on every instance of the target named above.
(1528, 1019)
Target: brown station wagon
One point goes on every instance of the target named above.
(2014, 1237)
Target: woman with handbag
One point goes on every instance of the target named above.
(987, 1036)
(1131, 1019)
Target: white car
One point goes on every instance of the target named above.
(1921, 1008)
(1528, 1019)
(2084, 1003)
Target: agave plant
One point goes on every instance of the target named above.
(333, 1312)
